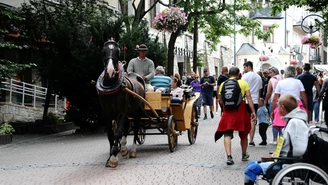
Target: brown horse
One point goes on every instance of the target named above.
(117, 103)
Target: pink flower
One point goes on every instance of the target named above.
(314, 41)
(305, 39)
(293, 62)
(263, 58)
(170, 19)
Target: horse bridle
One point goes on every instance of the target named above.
(115, 87)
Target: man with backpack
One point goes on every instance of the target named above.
(235, 116)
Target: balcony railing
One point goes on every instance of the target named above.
(29, 95)
(264, 13)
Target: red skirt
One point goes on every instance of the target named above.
(237, 120)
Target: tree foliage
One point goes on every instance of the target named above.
(316, 6)
(67, 40)
(140, 35)
(214, 18)
(12, 29)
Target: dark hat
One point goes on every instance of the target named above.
(205, 69)
(142, 47)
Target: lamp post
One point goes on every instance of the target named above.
(310, 24)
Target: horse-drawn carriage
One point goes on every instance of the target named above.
(169, 117)
(127, 108)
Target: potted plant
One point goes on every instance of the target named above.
(170, 19)
(293, 62)
(6, 133)
(263, 58)
(314, 41)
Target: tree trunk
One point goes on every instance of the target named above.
(47, 101)
(170, 53)
(195, 59)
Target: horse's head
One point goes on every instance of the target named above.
(111, 52)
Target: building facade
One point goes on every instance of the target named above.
(282, 48)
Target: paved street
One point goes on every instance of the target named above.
(69, 158)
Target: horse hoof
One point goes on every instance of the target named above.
(124, 153)
(133, 154)
(112, 164)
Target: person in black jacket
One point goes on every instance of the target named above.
(223, 77)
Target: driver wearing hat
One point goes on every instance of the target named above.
(142, 65)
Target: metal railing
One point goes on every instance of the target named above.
(29, 95)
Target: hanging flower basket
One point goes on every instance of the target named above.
(293, 62)
(170, 19)
(263, 58)
(314, 41)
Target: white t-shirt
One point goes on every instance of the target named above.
(291, 86)
(177, 92)
(255, 84)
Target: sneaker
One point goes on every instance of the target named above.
(245, 157)
(212, 115)
(230, 160)
(205, 117)
(263, 143)
(273, 143)
(252, 143)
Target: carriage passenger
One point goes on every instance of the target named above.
(176, 91)
(295, 136)
(160, 80)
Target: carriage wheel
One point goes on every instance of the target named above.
(192, 132)
(172, 133)
(141, 136)
(301, 173)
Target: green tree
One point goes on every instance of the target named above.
(67, 39)
(316, 6)
(12, 40)
(138, 35)
(214, 18)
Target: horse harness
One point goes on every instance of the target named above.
(114, 88)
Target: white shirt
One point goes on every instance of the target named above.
(177, 92)
(291, 86)
(255, 84)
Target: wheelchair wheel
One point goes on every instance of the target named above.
(301, 173)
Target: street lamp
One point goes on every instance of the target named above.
(310, 24)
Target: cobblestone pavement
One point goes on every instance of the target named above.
(69, 158)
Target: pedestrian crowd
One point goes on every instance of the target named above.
(285, 100)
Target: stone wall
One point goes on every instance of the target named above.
(12, 113)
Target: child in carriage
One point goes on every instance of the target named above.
(295, 136)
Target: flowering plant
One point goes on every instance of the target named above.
(263, 58)
(293, 62)
(314, 41)
(170, 19)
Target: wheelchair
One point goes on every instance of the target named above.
(312, 168)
